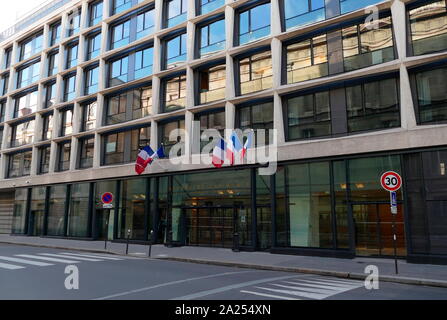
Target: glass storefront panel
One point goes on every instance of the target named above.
(78, 215)
(19, 215)
(56, 211)
(133, 209)
(263, 211)
(341, 207)
(37, 212)
(104, 215)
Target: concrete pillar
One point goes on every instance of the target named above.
(191, 9)
(84, 15)
(156, 95)
(230, 118)
(190, 101)
(275, 16)
(276, 48)
(53, 156)
(190, 35)
(408, 116)
(157, 55)
(154, 135)
(189, 118)
(74, 153)
(97, 151)
(278, 119)
(158, 15)
(229, 26)
(100, 105)
(77, 118)
(79, 82)
(34, 161)
(230, 91)
(399, 17)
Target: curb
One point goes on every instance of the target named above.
(337, 274)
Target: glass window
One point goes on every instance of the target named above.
(25, 105)
(144, 60)
(140, 138)
(56, 211)
(79, 210)
(428, 24)
(214, 121)
(212, 84)
(96, 9)
(307, 59)
(7, 58)
(4, 84)
(176, 12)
(207, 6)
(300, 13)
(20, 210)
(28, 75)
(166, 129)
(142, 105)
(87, 147)
(89, 116)
(352, 5)
(74, 22)
(256, 73)
(175, 94)
(50, 94)
(212, 38)
(254, 23)
(31, 46)
(44, 155)
(91, 81)
(432, 96)
(72, 56)
(47, 129)
(55, 33)
(63, 163)
(66, 122)
(22, 134)
(309, 116)
(116, 109)
(20, 164)
(133, 209)
(118, 73)
(120, 35)
(53, 61)
(145, 23)
(70, 87)
(121, 5)
(365, 46)
(2, 111)
(373, 105)
(114, 148)
(94, 46)
(175, 51)
(257, 117)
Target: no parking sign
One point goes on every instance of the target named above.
(107, 200)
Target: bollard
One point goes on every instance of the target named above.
(236, 242)
(151, 243)
(127, 244)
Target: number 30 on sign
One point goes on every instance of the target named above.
(391, 181)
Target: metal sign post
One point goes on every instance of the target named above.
(392, 182)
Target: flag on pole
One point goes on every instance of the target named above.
(234, 147)
(247, 145)
(157, 155)
(143, 159)
(219, 153)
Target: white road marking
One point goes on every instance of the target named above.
(336, 281)
(10, 266)
(314, 285)
(306, 289)
(65, 257)
(295, 293)
(268, 295)
(90, 256)
(46, 258)
(332, 284)
(33, 263)
(230, 287)
(170, 284)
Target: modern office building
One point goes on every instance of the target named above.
(352, 93)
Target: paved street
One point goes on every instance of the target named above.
(38, 273)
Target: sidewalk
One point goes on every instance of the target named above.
(417, 274)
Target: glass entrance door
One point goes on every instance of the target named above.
(210, 227)
(36, 222)
(373, 225)
(102, 223)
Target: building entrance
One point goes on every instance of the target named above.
(373, 225)
(102, 223)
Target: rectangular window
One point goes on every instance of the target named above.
(300, 13)
(95, 13)
(94, 46)
(1, 137)
(145, 24)
(72, 56)
(373, 105)
(53, 61)
(7, 58)
(121, 5)
(114, 148)
(25, 105)
(79, 210)
(2, 111)
(56, 210)
(44, 159)
(118, 71)
(175, 51)
(66, 123)
(352, 5)
(70, 88)
(89, 116)
(120, 35)
(47, 129)
(309, 116)
(63, 163)
(28, 75)
(257, 117)
(207, 6)
(20, 164)
(428, 24)
(55, 33)
(176, 12)
(212, 38)
(256, 73)
(215, 121)
(165, 131)
(116, 109)
(212, 84)
(91, 81)
(50, 94)
(144, 60)
(254, 23)
(4, 84)
(86, 154)
(175, 94)
(22, 134)
(31, 46)
(432, 96)
(142, 105)
(364, 46)
(74, 22)
(140, 138)
(307, 60)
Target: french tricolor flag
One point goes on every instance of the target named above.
(247, 145)
(219, 153)
(145, 157)
(234, 147)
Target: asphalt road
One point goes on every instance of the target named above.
(39, 273)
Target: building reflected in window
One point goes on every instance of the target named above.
(256, 73)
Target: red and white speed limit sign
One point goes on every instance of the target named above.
(391, 181)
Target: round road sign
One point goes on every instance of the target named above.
(391, 181)
(107, 198)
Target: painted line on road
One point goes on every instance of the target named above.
(33, 263)
(268, 295)
(10, 266)
(75, 255)
(46, 259)
(170, 284)
(231, 287)
(65, 257)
